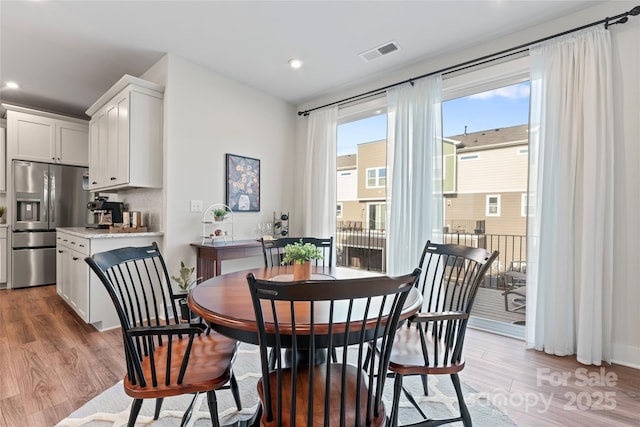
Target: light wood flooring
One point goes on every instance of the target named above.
(52, 363)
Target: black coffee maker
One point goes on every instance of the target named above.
(105, 213)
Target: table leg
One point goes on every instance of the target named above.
(218, 264)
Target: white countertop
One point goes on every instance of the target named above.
(101, 233)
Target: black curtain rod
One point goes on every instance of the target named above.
(618, 19)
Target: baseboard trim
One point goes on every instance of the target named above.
(500, 328)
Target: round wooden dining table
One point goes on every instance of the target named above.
(224, 302)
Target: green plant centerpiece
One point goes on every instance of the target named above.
(185, 282)
(300, 255)
(219, 214)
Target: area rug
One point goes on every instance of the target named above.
(111, 408)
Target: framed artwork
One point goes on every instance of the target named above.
(243, 183)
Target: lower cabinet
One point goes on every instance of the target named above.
(78, 286)
(3, 254)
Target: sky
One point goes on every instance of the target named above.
(499, 108)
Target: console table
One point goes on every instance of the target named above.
(211, 255)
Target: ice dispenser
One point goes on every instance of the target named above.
(28, 210)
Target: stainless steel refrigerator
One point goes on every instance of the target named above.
(45, 196)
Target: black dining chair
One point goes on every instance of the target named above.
(273, 250)
(164, 356)
(311, 318)
(430, 343)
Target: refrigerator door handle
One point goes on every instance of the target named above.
(45, 209)
(52, 198)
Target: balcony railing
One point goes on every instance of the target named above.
(366, 249)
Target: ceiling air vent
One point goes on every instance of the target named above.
(379, 51)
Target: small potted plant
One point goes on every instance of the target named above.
(300, 255)
(185, 282)
(219, 214)
(3, 210)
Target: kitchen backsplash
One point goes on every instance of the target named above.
(146, 200)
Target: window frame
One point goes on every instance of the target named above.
(383, 210)
(488, 205)
(377, 177)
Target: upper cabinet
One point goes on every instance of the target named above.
(3, 157)
(46, 137)
(125, 137)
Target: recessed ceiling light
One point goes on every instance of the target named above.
(12, 85)
(295, 63)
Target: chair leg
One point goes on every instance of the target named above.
(425, 384)
(213, 408)
(272, 359)
(397, 389)
(368, 357)
(135, 410)
(412, 400)
(189, 411)
(235, 391)
(464, 411)
(158, 407)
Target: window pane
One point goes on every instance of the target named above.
(361, 179)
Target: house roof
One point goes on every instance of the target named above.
(512, 134)
(347, 161)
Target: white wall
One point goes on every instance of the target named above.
(206, 116)
(626, 46)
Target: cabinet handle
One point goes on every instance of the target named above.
(73, 243)
(94, 182)
(113, 178)
(60, 252)
(75, 258)
(82, 246)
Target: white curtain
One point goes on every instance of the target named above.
(414, 156)
(319, 194)
(570, 231)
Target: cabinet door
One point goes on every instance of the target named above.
(32, 137)
(3, 259)
(123, 139)
(62, 273)
(3, 159)
(98, 151)
(72, 144)
(79, 283)
(118, 140)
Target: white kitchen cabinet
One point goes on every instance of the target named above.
(3, 254)
(98, 151)
(72, 273)
(3, 155)
(78, 286)
(126, 136)
(46, 137)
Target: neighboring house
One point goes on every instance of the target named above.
(361, 192)
(347, 207)
(485, 179)
(372, 183)
(488, 182)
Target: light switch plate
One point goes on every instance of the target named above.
(196, 206)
